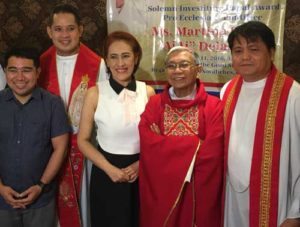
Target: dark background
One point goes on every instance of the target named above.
(24, 21)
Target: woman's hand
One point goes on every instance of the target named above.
(132, 171)
(117, 175)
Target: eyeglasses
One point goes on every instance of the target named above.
(23, 70)
(184, 65)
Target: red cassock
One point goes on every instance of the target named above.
(188, 128)
(84, 76)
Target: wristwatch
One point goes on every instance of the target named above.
(41, 185)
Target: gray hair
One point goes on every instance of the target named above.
(182, 49)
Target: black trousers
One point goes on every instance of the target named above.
(114, 204)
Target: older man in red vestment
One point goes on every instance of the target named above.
(181, 160)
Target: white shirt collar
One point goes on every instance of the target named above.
(188, 97)
(66, 58)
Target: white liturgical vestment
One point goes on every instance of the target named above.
(240, 151)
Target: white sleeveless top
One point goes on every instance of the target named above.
(117, 117)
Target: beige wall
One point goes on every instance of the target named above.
(24, 21)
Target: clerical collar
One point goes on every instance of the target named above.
(66, 58)
(255, 84)
(118, 87)
(191, 96)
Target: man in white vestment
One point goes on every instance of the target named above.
(262, 131)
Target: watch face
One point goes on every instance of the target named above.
(45, 187)
(41, 184)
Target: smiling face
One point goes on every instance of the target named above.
(65, 34)
(121, 61)
(21, 76)
(182, 72)
(251, 59)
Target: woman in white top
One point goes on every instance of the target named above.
(115, 106)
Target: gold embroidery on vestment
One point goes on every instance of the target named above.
(267, 155)
(181, 121)
(229, 102)
(77, 102)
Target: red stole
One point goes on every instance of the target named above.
(85, 75)
(264, 175)
(188, 128)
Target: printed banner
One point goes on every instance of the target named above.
(203, 25)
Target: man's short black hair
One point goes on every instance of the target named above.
(23, 52)
(252, 31)
(65, 8)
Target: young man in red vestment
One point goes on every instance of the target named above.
(262, 131)
(68, 69)
(181, 159)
